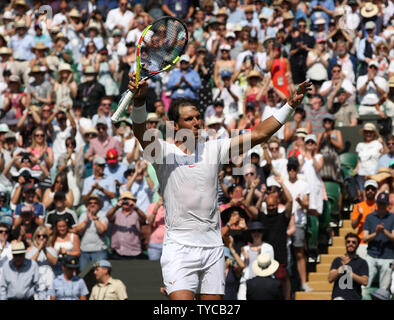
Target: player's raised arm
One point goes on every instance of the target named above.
(264, 130)
(139, 114)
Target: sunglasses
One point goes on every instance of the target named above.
(274, 149)
(351, 241)
(370, 189)
(310, 142)
(390, 143)
(336, 71)
(39, 135)
(105, 104)
(3, 231)
(42, 236)
(101, 128)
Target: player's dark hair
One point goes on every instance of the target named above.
(173, 111)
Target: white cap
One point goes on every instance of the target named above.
(230, 34)
(225, 47)
(184, 57)
(271, 182)
(370, 182)
(310, 137)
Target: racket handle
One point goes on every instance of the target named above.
(123, 104)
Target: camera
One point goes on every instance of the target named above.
(125, 202)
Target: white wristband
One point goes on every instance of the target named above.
(138, 114)
(284, 113)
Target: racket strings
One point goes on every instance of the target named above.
(162, 44)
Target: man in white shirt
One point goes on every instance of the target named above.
(135, 34)
(259, 58)
(370, 89)
(61, 17)
(188, 176)
(119, 18)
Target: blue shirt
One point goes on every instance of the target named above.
(381, 247)
(68, 290)
(236, 17)
(143, 194)
(179, 7)
(22, 47)
(107, 182)
(184, 91)
(328, 4)
(116, 172)
(384, 161)
(39, 210)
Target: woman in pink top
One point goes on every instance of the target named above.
(155, 214)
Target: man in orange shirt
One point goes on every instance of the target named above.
(360, 212)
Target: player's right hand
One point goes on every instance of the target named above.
(139, 92)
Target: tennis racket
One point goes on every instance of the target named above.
(159, 48)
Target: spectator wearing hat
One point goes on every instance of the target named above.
(369, 152)
(117, 46)
(184, 82)
(25, 230)
(60, 53)
(264, 286)
(216, 130)
(378, 232)
(21, 44)
(60, 131)
(298, 121)
(255, 90)
(152, 121)
(72, 27)
(107, 68)
(361, 210)
(312, 163)
(370, 88)
(127, 219)
(28, 200)
(264, 30)
(107, 287)
(39, 92)
(140, 184)
(351, 266)
(251, 252)
(65, 88)
(90, 92)
(300, 46)
(99, 146)
(104, 112)
(330, 144)
(15, 100)
(92, 227)
(345, 112)
(115, 167)
(6, 62)
(103, 185)
(40, 51)
(5, 244)
(315, 111)
(366, 47)
(68, 285)
(20, 279)
(45, 256)
(384, 178)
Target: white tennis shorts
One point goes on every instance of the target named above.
(198, 269)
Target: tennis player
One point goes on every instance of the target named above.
(193, 254)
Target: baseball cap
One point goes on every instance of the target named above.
(371, 183)
(4, 127)
(99, 161)
(329, 116)
(373, 63)
(102, 121)
(271, 182)
(370, 25)
(112, 156)
(225, 47)
(225, 74)
(185, 58)
(230, 35)
(383, 198)
(70, 261)
(310, 137)
(103, 264)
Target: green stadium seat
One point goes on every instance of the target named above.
(325, 217)
(333, 191)
(348, 160)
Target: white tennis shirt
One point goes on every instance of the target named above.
(188, 184)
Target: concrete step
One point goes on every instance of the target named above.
(327, 258)
(318, 295)
(321, 285)
(323, 267)
(344, 231)
(338, 241)
(347, 223)
(337, 250)
(318, 276)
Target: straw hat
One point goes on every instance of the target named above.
(65, 67)
(369, 127)
(288, 16)
(5, 50)
(61, 35)
(18, 248)
(21, 3)
(39, 46)
(301, 132)
(369, 10)
(127, 195)
(96, 197)
(94, 25)
(264, 266)
(254, 73)
(213, 120)
(90, 70)
(91, 130)
(37, 69)
(383, 174)
(74, 13)
(222, 12)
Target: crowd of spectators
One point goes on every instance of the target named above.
(73, 183)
